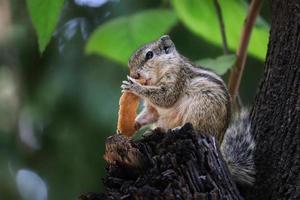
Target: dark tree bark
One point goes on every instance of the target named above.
(180, 164)
(276, 111)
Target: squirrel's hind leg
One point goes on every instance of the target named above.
(147, 116)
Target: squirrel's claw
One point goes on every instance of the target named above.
(131, 85)
(128, 86)
(125, 85)
(130, 79)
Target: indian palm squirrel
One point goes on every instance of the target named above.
(178, 92)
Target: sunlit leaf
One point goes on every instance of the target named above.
(44, 15)
(220, 65)
(200, 17)
(118, 38)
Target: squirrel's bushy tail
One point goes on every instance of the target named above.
(237, 149)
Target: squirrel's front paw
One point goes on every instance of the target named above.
(131, 85)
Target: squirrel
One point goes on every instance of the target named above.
(178, 92)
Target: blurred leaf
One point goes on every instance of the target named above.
(220, 65)
(118, 38)
(200, 17)
(44, 16)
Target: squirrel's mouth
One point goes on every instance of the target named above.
(148, 81)
(138, 76)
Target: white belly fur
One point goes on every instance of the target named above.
(174, 116)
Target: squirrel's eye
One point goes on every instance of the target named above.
(166, 49)
(149, 55)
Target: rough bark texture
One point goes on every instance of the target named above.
(180, 164)
(276, 112)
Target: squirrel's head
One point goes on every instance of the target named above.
(152, 61)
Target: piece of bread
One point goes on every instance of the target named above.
(128, 105)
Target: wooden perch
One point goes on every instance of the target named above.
(180, 164)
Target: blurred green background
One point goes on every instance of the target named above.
(61, 67)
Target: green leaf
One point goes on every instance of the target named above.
(200, 17)
(44, 16)
(220, 65)
(119, 38)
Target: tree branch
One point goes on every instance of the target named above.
(222, 26)
(239, 103)
(237, 70)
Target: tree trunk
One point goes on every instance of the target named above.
(276, 111)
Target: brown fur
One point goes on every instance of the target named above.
(178, 91)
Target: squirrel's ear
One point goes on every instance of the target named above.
(167, 43)
(165, 38)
